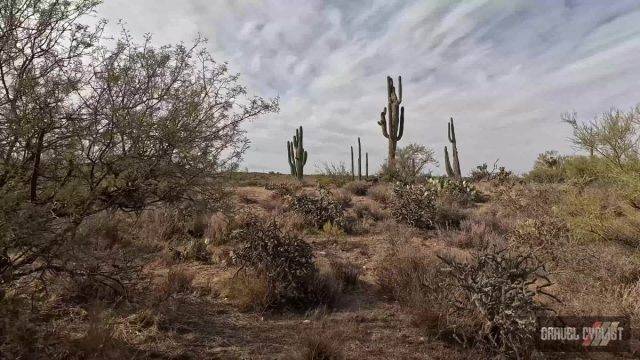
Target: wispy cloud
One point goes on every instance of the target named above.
(504, 70)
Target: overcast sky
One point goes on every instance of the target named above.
(505, 70)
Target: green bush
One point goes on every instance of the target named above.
(414, 205)
(320, 209)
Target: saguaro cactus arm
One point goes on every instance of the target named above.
(447, 163)
(383, 123)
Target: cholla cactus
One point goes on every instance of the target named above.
(297, 155)
(504, 289)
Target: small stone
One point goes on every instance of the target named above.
(306, 321)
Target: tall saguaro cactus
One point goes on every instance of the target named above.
(297, 154)
(359, 160)
(353, 174)
(452, 171)
(366, 166)
(393, 124)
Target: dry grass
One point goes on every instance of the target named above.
(358, 187)
(248, 291)
(178, 279)
(319, 347)
(382, 279)
(381, 193)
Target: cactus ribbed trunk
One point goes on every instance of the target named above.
(447, 163)
(453, 170)
(366, 165)
(353, 174)
(297, 155)
(359, 160)
(393, 125)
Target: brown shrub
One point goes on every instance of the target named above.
(345, 272)
(382, 193)
(319, 347)
(342, 196)
(218, 229)
(370, 210)
(248, 291)
(476, 234)
(411, 277)
(179, 279)
(358, 187)
(99, 342)
(286, 262)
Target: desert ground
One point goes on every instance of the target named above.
(383, 295)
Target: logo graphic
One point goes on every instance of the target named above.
(583, 333)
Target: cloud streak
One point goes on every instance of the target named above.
(504, 70)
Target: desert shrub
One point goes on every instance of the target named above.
(544, 231)
(332, 231)
(286, 188)
(178, 280)
(452, 191)
(414, 205)
(197, 249)
(409, 277)
(318, 347)
(415, 279)
(58, 170)
(358, 187)
(590, 168)
(84, 290)
(370, 210)
(334, 174)
(502, 289)
(598, 213)
(381, 192)
(345, 272)
(411, 161)
(286, 261)
(498, 174)
(249, 291)
(548, 168)
(528, 200)
(218, 229)
(343, 197)
(476, 234)
(319, 209)
(448, 215)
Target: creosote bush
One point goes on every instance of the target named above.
(358, 187)
(320, 209)
(285, 263)
(414, 205)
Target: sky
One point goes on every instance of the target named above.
(505, 70)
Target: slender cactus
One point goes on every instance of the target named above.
(447, 163)
(359, 160)
(297, 154)
(353, 174)
(366, 166)
(393, 126)
(452, 171)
